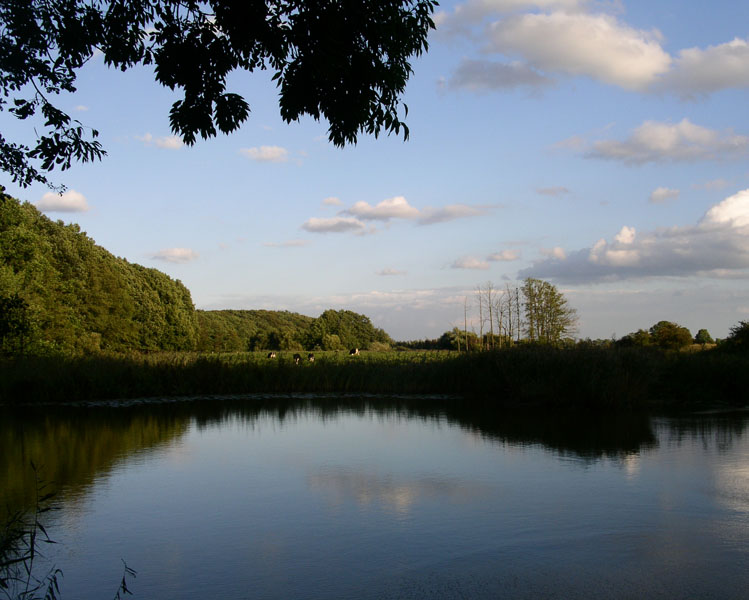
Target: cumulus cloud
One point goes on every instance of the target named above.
(169, 142)
(389, 272)
(555, 253)
(717, 246)
(391, 208)
(504, 256)
(176, 255)
(399, 208)
(333, 225)
(663, 194)
(597, 46)
(626, 235)
(70, 201)
(552, 191)
(287, 244)
(474, 11)
(266, 153)
(332, 201)
(543, 38)
(700, 72)
(470, 262)
(655, 142)
(487, 75)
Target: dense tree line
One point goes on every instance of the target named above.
(59, 291)
(241, 330)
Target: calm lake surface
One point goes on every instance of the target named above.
(375, 498)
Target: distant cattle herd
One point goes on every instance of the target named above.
(311, 357)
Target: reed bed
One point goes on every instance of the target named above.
(526, 375)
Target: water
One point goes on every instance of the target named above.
(264, 498)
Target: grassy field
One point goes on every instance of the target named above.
(585, 377)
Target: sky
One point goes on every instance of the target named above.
(601, 146)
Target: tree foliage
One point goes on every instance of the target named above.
(232, 330)
(15, 324)
(703, 337)
(65, 293)
(243, 330)
(669, 335)
(548, 316)
(345, 61)
(738, 337)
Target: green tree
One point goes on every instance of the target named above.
(639, 338)
(548, 316)
(738, 337)
(667, 334)
(703, 337)
(15, 324)
(81, 298)
(347, 62)
(352, 329)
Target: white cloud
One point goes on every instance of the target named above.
(717, 246)
(388, 272)
(699, 72)
(176, 255)
(169, 142)
(539, 39)
(557, 190)
(287, 244)
(70, 201)
(333, 225)
(486, 75)
(474, 11)
(663, 194)
(626, 235)
(81, 108)
(555, 253)
(332, 201)
(733, 211)
(470, 262)
(392, 208)
(580, 44)
(399, 208)
(654, 141)
(266, 153)
(504, 256)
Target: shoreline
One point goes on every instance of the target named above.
(530, 376)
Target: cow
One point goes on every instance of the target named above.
(353, 352)
(311, 357)
(297, 359)
(271, 355)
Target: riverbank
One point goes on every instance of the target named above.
(522, 376)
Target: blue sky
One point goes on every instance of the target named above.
(599, 145)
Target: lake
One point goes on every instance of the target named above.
(316, 498)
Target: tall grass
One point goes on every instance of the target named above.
(596, 377)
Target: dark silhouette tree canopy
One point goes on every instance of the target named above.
(667, 334)
(346, 61)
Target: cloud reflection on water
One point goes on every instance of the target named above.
(340, 485)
